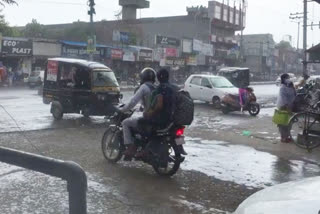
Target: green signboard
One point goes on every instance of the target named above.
(91, 46)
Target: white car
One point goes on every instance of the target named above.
(296, 197)
(209, 88)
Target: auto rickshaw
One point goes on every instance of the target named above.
(80, 86)
(239, 77)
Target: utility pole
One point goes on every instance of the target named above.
(242, 10)
(305, 23)
(261, 58)
(297, 16)
(298, 36)
(91, 40)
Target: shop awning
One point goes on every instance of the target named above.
(314, 54)
(80, 44)
(138, 48)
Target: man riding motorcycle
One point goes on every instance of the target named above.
(147, 78)
(162, 106)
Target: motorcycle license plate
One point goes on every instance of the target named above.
(180, 141)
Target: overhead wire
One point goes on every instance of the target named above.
(22, 132)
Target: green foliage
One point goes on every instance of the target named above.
(284, 45)
(3, 2)
(34, 29)
(79, 31)
(6, 30)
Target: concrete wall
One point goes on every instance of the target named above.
(182, 27)
(46, 49)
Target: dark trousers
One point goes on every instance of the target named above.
(284, 131)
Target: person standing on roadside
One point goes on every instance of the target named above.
(285, 101)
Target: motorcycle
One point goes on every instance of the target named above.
(162, 149)
(231, 103)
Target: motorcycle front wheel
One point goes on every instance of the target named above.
(111, 145)
(173, 165)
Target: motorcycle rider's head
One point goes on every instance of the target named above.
(163, 75)
(147, 75)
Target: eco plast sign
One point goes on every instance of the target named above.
(14, 47)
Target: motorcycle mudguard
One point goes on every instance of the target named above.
(160, 152)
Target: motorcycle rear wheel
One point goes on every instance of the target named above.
(175, 157)
(254, 109)
(111, 145)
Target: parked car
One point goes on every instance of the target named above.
(209, 88)
(295, 197)
(36, 78)
(292, 77)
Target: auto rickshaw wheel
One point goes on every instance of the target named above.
(56, 111)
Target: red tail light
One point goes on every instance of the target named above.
(180, 132)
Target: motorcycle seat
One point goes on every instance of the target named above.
(165, 130)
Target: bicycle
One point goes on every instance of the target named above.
(305, 129)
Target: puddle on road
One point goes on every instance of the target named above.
(216, 122)
(243, 165)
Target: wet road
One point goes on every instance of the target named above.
(223, 166)
(29, 113)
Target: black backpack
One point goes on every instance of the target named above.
(184, 109)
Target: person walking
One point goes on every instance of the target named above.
(285, 102)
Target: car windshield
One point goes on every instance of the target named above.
(104, 78)
(221, 82)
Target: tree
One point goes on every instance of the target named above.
(284, 45)
(5, 29)
(34, 29)
(79, 31)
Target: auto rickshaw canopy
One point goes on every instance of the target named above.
(239, 77)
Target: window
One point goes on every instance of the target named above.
(237, 18)
(205, 82)
(196, 81)
(221, 82)
(217, 13)
(231, 17)
(244, 20)
(225, 14)
(104, 78)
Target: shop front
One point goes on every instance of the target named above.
(78, 50)
(16, 56)
(42, 50)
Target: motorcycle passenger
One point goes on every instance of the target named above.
(162, 105)
(163, 99)
(147, 78)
